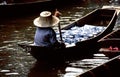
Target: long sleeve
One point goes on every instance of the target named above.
(45, 37)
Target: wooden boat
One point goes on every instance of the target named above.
(104, 63)
(106, 69)
(110, 44)
(12, 8)
(102, 67)
(99, 64)
(101, 17)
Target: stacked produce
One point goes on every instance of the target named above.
(76, 33)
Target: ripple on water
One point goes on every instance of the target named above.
(5, 71)
(12, 73)
(16, 63)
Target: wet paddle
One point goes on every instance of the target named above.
(57, 13)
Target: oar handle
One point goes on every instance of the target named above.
(59, 26)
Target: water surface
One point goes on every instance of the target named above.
(14, 61)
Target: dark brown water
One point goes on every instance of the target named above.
(14, 61)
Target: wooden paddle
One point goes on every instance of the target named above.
(57, 14)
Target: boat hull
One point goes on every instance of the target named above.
(110, 44)
(107, 69)
(81, 48)
(16, 8)
(23, 9)
(104, 63)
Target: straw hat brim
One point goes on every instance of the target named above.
(55, 21)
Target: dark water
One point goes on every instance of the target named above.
(14, 61)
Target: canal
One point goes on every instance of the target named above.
(16, 62)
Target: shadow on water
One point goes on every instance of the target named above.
(14, 61)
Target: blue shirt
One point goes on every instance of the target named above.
(45, 37)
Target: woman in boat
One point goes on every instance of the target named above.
(45, 35)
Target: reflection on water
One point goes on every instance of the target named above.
(44, 70)
(14, 62)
